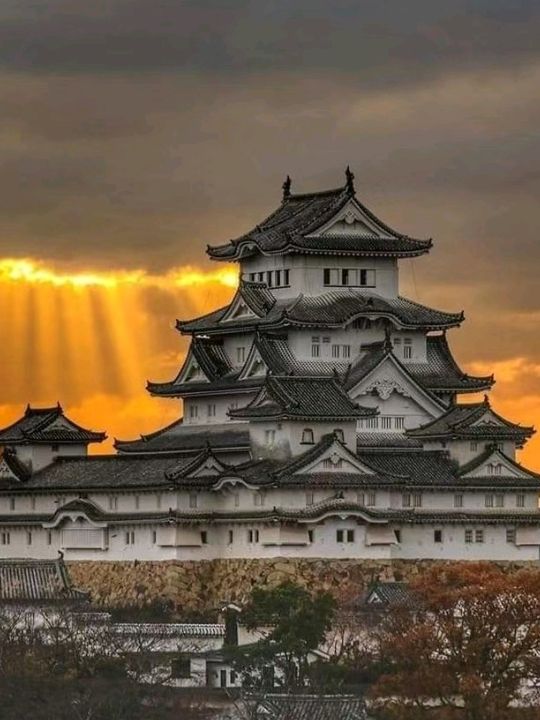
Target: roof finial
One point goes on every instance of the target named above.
(287, 188)
(387, 345)
(350, 180)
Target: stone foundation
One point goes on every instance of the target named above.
(198, 588)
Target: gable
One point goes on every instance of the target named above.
(191, 372)
(335, 458)
(211, 466)
(350, 220)
(488, 419)
(254, 366)
(498, 465)
(6, 473)
(389, 379)
(238, 309)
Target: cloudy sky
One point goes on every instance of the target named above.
(133, 132)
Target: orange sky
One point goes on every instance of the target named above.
(91, 340)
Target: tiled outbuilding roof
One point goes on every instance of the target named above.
(37, 582)
(294, 397)
(463, 421)
(37, 425)
(290, 228)
(390, 595)
(309, 707)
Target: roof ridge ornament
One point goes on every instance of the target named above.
(349, 185)
(287, 188)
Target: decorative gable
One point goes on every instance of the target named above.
(6, 473)
(335, 458)
(254, 366)
(488, 419)
(191, 372)
(351, 220)
(389, 378)
(211, 466)
(496, 464)
(238, 309)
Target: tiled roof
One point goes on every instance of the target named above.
(35, 427)
(180, 437)
(381, 440)
(202, 630)
(289, 229)
(37, 581)
(490, 450)
(297, 397)
(460, 422)
(390, 595)
(310, 707)
(330, 309)
(18, 468)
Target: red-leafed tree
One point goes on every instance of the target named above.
(469, 650)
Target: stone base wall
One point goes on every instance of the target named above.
(198, 588)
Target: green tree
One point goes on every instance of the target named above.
(292, 623)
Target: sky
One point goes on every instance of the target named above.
(134, 132)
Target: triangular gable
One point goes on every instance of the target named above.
(254, 366)
(336, 457)
(352, 219)
(488, 418)
(210, 466)
(6, 473)
(389, 376)
(61, 423)
(203, 465)
(191, 371)
(238, 309)
(496, 464)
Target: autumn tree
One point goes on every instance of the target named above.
(468, 650)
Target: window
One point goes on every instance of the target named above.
(417, 500)
(371, 498)
(269, 277)
(520, 500)
(335, 351)
(6, 538)
(307, 436)
(33, 503)
(338, 432)
(479, 536)
(399, 423)
(278, 278)
(468, 536)
(350, 277)
(49, 538)
(193, 499)
(258, 499)
(406, 500)
(158, 500)
(315, 351)
(360, 498)
(326, 276)
(260, 277)
(130, 537)
(113, 502)
(458, 500)
(386, 423)
(28, 538)
(193, 411)
(154, 537)
(510, 535)
(437, 536)
(332, 463)
(286, 277)
(253, 536)
(310, 535)
(397, 535)
(372, 423)
(345, 277)
(346, 351)
(474, 446)
(407, 349)
(230, 537)
(499, 500)
(236, 499)
(343, 536)
(240, 354)
(211, 411)
(204, 537)
(137, 502)
(310, 497)
(269, 437)
(12, 503)
(489, 501)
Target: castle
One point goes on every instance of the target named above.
(323, 418)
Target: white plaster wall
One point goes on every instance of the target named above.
(38, 456)
(462, 450)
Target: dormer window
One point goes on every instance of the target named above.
(308, 437)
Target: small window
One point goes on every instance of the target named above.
(28, 538)
(336, 351)
(12, 503)
(520, 500)
(360, 499)
(372, 423)
(399, 423)
(479, 536)
(489, 501)
(326, 276)
(437, 536)
(499, 500)
(270, 437)
(253, 536)
(345, 277)
(6, 538)
(310, 535)
(278, 278)
(211, 411)
(371, 499)
(129, 537)
(310, 497)
(269, 277)
(397, 535)
(307, 436)
(193, 500)
(240, 354)
(468, 536)
(417, 500)
(236, 499)
(158, 501)
(258, 499)
(407, 352)
(113, 502)
(346, 351)
(137, 502)
(474, 446)
(33, 503)
(315, 351)
(286, 277)
(231, 537)
(204, 537)
(154, 537)
(386, 423)
(343, 536)
(406, 500)
(510, 535)
(458, 500)
(193, 411)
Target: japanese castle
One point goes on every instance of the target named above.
(324, 416)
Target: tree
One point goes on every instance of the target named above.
(292, 623)
(468, 651)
